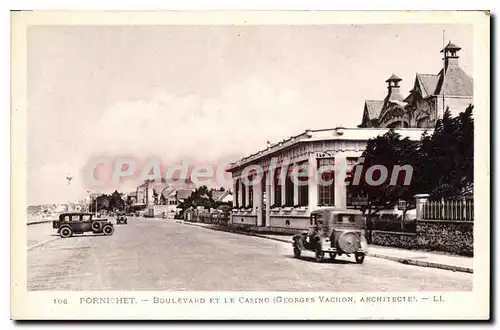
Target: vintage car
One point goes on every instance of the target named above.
(334, 231)
(121, 218)
(79, 223)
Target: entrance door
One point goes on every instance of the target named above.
(264, 214)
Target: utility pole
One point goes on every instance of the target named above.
(444, 69)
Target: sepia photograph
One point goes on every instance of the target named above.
(277, 161)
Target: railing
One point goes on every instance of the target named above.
(456, 210)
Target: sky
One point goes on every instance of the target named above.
(204, 94)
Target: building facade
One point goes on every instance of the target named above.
(284, 204)
(430, 96)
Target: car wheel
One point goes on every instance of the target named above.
(332, 255)
(108, 230)
(96, 226)
(296, 252)
(360, 257)
(320, 256)
(66, 232)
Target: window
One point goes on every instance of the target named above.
(250, 196)
(243, 194)
(289, 189)
(75, 218)
(173, 202)
(86, 217)
(326, 188)
(304, 185)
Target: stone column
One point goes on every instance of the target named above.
(283, 184)
(235, 183)
(340, 187)
(420, 200)
(270, 193)
(268, 198)
(295, 190)
(313, 182)
(257, 200)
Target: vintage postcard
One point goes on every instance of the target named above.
(250, 165)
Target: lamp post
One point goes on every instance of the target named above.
(90, 200)
(69, 178)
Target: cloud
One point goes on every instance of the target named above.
(204, 129)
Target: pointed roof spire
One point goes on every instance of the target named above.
(393, 78)
(450, 47)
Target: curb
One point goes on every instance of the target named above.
(421, 263)
(41, 243)
(38, 222)
(405, 261)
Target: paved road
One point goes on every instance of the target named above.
(154, 254)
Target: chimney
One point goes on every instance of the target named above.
(450, 54)
(393, 87)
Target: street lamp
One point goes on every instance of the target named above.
(69, 178)
(90, 200)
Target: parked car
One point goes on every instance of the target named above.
(79, 223)
(334, 231)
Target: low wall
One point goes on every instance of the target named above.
(395, 239)
(449, 236)
(439, 235)
(288, 222)
(244, 219)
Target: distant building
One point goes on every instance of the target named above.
(166, 193)
(222, 196)
(431, 95)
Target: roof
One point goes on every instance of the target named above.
(373, 107)
(393, 77)
(394, 95)
(218, 195)
(456, 82)
(168, 192)
(328, 134)
(450, 46)
(427, 83)
(184, 193)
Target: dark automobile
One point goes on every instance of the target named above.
(334, 231)
(79, 223)
(121, 219)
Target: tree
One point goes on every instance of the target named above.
(450, 156)
(116, 201)
(442, 163)
(200, 197)
(102, 202)
(388, 151)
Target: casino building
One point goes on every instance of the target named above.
(274, 203)
(282, 204)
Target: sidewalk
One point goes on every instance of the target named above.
(409, 257)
